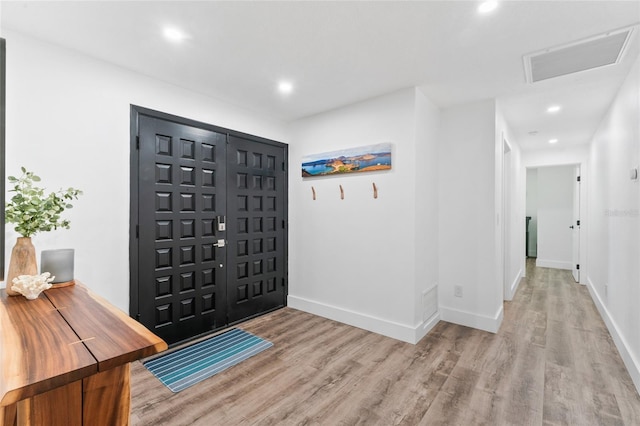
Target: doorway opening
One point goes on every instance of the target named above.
(553, 216)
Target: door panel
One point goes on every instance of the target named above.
(256, 212)
(189, 178)
(575, 227)
(181, 191)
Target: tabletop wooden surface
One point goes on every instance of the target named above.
(112, 337)
(65, 335)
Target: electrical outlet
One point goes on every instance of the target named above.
(457, 291)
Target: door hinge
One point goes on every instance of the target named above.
(578, 223)
(283, 224)
(578, 179)
(137, 142)
(137, 231)
(284, 167)
(577, 266)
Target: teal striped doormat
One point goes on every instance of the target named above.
(192, 364)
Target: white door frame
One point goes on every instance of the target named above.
(507, 206)
(572, 160)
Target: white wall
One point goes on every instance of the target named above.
(68, 121)
(355, 260)
(555, 215)
(614, 213)
(467, 219)
(532, 210)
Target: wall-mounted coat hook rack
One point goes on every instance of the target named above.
(313, 191)
(375, 190)
(341, 193)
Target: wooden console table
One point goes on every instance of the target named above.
(64, 359)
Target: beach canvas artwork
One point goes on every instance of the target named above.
(352, 160)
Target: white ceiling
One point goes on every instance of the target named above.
(337, 53)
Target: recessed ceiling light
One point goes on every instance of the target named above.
(174, 34)
(554, 108)
(487, 6)
(285, 87)
(553, 140)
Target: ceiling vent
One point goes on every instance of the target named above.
(594, 52)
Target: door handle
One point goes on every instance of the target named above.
(219, 243)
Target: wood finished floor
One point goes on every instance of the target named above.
(553, 362)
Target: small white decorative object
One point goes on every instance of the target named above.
(30, 286)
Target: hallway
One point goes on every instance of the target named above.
(585, 381)
(552, 362)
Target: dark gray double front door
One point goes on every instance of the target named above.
(210, 210)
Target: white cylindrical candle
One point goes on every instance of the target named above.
(59, 263)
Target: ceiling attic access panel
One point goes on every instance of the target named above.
(594, 52)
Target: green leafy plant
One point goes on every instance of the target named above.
(31, 210)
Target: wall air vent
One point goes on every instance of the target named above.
(594, 52)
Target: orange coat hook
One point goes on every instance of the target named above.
(313, 191)
(341, 193)
(375, 190)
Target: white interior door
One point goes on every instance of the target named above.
(575, 226)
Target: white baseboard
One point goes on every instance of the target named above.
(630, 361)
(473, 320)
(513, 287)
(556, 264)
(395, 330)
